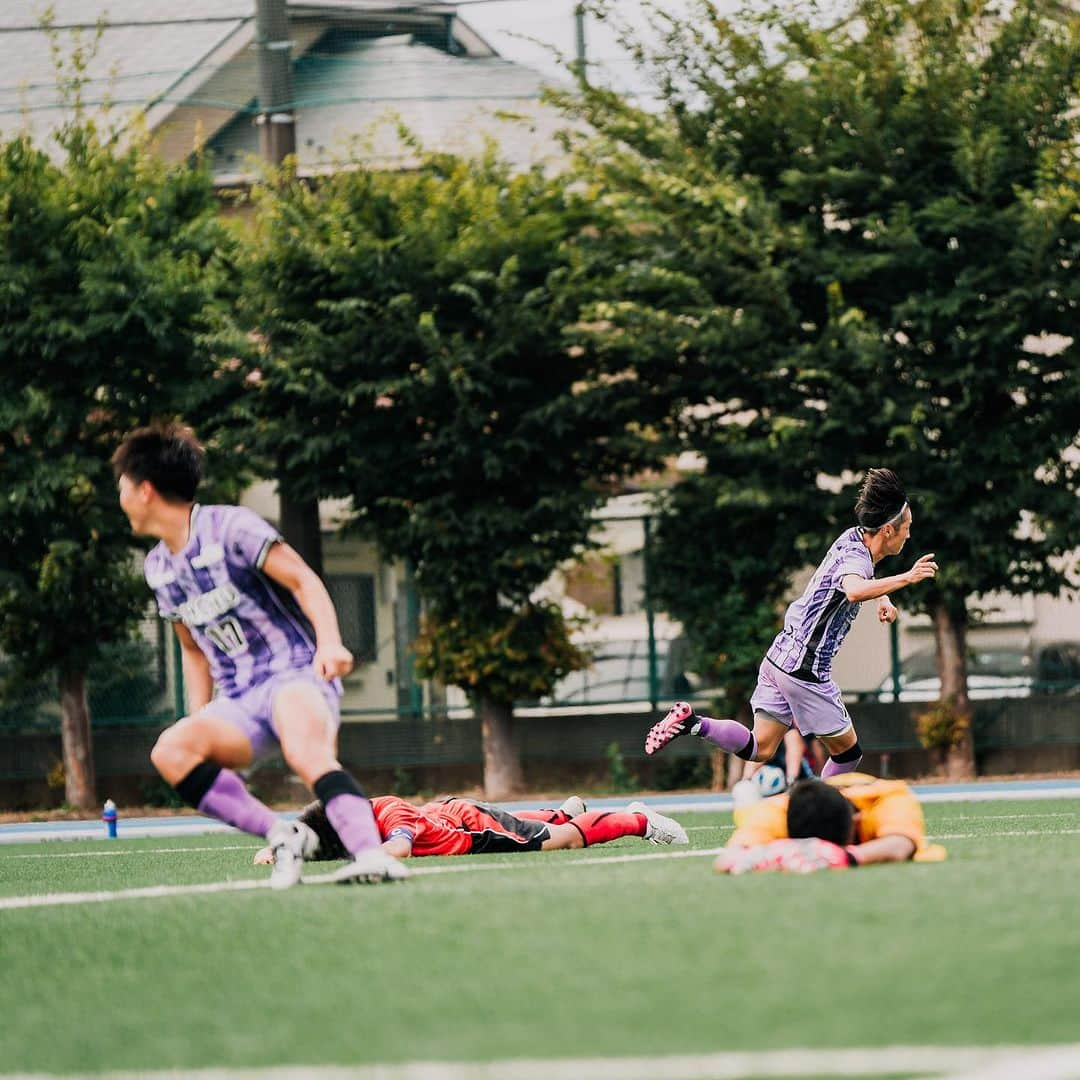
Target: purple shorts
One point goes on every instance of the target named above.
(814, 708)
(253, 711)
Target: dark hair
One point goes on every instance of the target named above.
(330, 846)
(168, 455)
(816, 809)
(881, 498)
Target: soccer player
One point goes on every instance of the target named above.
(459, 826)
(795, 684)
(255, 623)
(851, 820)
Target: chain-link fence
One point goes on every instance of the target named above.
(127, 685)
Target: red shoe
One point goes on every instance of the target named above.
(679, 720)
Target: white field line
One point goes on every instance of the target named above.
(154, 892)
(952, 1062)
(1009, 832)
(128, 851)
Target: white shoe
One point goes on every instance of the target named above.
(369, 868)
(660, 830)
(573, 806)
(290, 842)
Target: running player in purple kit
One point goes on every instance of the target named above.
(254, 621)
(795, 684)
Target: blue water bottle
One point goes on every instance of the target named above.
(109, 817)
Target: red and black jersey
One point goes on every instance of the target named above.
(451, 826)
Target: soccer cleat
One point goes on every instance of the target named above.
(369, 868)
(679, 720)
(290, 843)
(573, 806)
(660, 829)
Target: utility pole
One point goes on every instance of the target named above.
(579, 41)
(277, 140)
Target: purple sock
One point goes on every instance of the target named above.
(228, 800)
(729, 735)
(834, 768)
(354, 822)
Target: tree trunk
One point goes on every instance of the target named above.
(300, 527)
(734, 765)
(719, 761)
(503, 776)
(950, 633)
(75, 740)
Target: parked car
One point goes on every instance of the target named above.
(994, 671)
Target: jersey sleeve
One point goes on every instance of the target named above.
(398, 819)
(248, 538)
(760, 823)
(854, 562)
(896, 813)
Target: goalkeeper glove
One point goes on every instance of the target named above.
(802, 856)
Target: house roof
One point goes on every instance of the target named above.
(191, 65)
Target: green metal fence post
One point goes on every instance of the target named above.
(179, 705)
(650, 623)
(894, 649)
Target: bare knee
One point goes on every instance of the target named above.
(176, 752)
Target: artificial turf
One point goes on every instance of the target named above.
(563, 954)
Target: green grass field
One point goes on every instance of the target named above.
(543, 956)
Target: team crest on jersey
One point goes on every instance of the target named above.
(200, 610)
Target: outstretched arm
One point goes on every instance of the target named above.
(857, 589)
(884, 849)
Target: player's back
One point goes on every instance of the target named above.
(884, 808)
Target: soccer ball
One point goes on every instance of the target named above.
(770, 780)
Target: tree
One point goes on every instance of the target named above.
(411, 353)
(106, 265)
(922, 163)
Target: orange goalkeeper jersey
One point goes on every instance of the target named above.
(885, 808)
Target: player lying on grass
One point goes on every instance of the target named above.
(255, 624)
(457, 826)
(795, 683)
(849, 820)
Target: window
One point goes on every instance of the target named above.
(354, 601)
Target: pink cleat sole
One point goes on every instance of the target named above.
(678, 722)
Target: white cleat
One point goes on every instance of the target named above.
(290, 843)
(369, 868)
(573, 806)
(661, 829)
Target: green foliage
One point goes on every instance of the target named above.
(861, 230)
(107, 262)
(621, 779)
(124, 681)
(923, 163)
(412, 354)
(155, 792)
(683, 771)
(501, 655)
(405, 783)
(942, 726)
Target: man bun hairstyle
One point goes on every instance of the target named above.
(817, 809)
(168, 454)
(881, 499)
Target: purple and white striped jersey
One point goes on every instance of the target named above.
(248, 627)
(816, 624)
